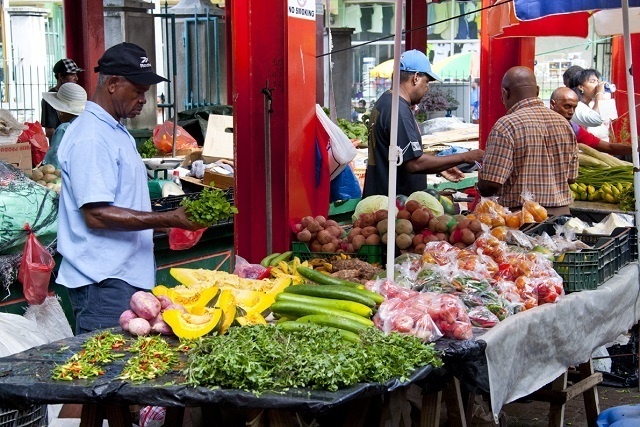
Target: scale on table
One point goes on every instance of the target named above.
(158, 172)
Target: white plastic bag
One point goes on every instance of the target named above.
(341, 151)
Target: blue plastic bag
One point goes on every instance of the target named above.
(345, 186)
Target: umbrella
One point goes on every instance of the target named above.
(458, 66)
(533, 9)
(383, 69)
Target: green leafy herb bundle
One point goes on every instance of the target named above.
(212, 206)
(261, 358)
(148, 149)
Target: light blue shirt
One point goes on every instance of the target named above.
(51, 158)
(100, 163)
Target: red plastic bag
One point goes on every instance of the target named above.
(39, 144)
(35, 269)
(163, 137)
(180, 239)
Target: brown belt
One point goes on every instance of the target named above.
(558, 210)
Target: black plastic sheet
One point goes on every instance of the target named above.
(25, 378)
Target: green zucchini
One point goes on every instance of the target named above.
(323, 279)
(296, 309)
(332, 321)
(266, 261)
(303, 327)
(378, 298)
(335, 292)
(350, 306)
(285, 256)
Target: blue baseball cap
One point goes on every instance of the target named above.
(417, 62)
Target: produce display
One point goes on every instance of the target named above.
(47, 176)
(603, 178)
(209, 208)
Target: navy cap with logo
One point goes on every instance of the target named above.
(66, 66)
(130, 61)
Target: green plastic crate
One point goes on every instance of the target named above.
(369, 253)
(579, 270)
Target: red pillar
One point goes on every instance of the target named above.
(619, 77)
(496, 57)
(84, 36)
(416, 17)
(268, 45)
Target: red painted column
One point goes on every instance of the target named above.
(268, 45)
(619, 77)
(496, 57)
(416, 17)
(84, 36)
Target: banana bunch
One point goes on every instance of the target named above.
(289, 270)
(610, 193)
(584, 192)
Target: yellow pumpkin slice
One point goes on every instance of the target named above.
(190, 326)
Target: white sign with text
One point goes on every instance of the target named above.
(303, 9)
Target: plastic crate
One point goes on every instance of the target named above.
(34, 416)
(579, 270)
(633, 244)
(369, 253)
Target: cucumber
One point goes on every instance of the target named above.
(350, 306)
(335, 292)
(285, 256)
(266, 261)
(378, 298)
(304, 327)
(295, 310)
(331, 321)
(323, 279)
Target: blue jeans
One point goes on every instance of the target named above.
(99, 305)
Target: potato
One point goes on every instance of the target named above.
(403, 226)
(381, 215)
(331, 223)
(49, 177)
(298, 227)
(468, 237)
(412, 206)
(350, 248)
(373, 239)
(48, 169)
(306, 220)
(367, 219)
(304, 235)
(125, 318)
(164, 301)
(382, 226)
(175, 306)
(42, 182)
(145, 305)
(404, 214)
(354, 232)
(314, 226)
(368, 231)
(321, 220)
(57, 173)
(403, 241)
(418, 239)
(161, 328)
(329, 247)
(324, 237)
(420, 219)
(37, 175)
(139, 327)
(315, 246)
(358, 241)
(335, 230)
(419, 249)
(383, 238)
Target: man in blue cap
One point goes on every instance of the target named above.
(415, 75)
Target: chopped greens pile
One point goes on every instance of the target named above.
(261, 358)
(96, 351)
(154, 358)
(354, 130)
(211, 207)
(148, 149)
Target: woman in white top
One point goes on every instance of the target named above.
(590, 90)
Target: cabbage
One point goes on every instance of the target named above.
(370, 204)
(427, 201)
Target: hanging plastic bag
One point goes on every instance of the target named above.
(345, 186)
(35, 269)
(39, 144)
(181, 239)
(341, 150)
(163, 137)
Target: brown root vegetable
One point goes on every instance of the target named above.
(145, 305)
(357, 223)
(331, 223)
(175, 306)
(335, 230)
(403, 241)
(419, 219)
(125, 318)
(306, 220)
(441, 236)
(373, 239)
(161, 328)
(164, 301)
(321, 220)
(460, 245)
(412, 206)
(329, 247)
(354, 232)
(475, 225)
(419, 249)
(441, 226)
(350, 248)
(463, 223)
(304, 235)
(433, 225)
(404, 214)
(315, 246)
(381, 215)
(382, 226)
(368, 231)
(418, 239)
(314, 226)
(139, 327)
(367, 220)
(430, 238)
(468, 237)
(358, 241)
(298, 227)
(403, 226)
(324, 237)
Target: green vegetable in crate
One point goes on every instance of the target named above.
(148, 149)
(212, 206)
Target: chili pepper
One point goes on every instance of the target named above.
(265, 274)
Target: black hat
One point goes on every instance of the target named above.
(66, 66)
(130, 61)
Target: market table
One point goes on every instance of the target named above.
(25, 378)
(535, 347)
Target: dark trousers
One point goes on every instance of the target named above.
(100, 305)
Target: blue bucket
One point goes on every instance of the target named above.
(620, 416)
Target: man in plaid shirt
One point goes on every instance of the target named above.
(531, 149)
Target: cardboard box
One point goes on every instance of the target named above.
(219, 180)
(18, 155)
(218, 142)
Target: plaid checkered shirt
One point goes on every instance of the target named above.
(531, 148)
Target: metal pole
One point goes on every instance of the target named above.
(267, 160)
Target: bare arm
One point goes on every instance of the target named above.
(612, 148)
(108, 217)
(428, 163)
